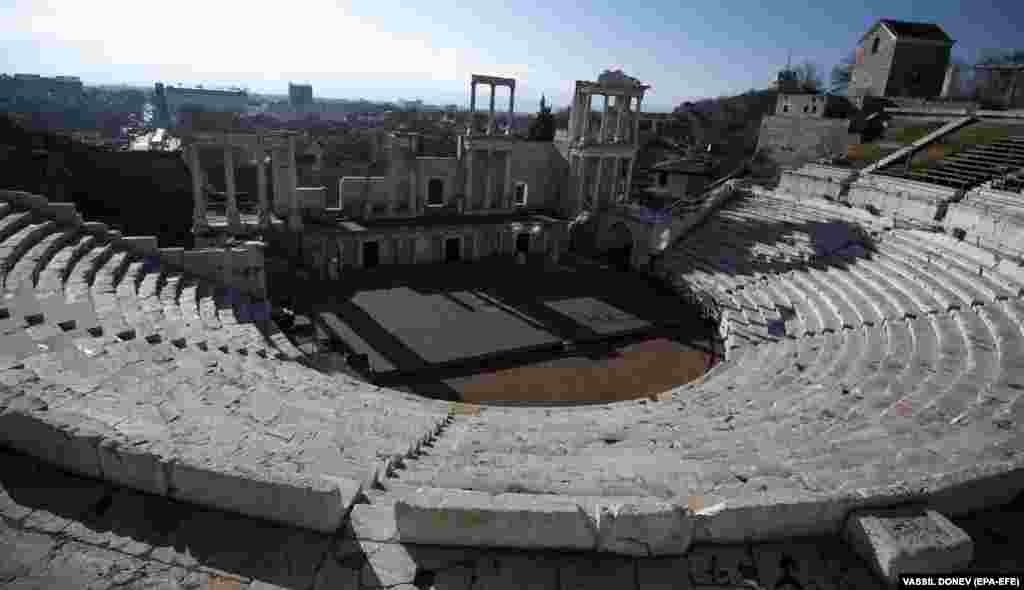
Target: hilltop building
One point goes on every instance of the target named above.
(901, 59)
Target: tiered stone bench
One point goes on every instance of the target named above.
(869, 366)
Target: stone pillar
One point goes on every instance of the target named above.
(470, 197)
(620, 107)
(508, 178)
(413, 190)
(586, 115)
(582, 182)
(199, 221)
(604, 120)
(629, 178)
(616, 178)
(295, 213)
(490, 114)
(511, 107)
(636, 121)
(472, 105)
(487, 179)
(261, 189)
(575, 114)
(597, 184)
(234, 219)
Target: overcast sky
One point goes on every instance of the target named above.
(389, 49)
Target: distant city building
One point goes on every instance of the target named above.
(901, 59)
(300, 95)
(36, 87)
(172, 100)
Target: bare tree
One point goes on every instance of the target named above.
(842, 73)
(809, 75)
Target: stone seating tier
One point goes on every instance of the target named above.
(869, 366)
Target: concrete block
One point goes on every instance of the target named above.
(773, 516)
(133, 466)
(643, 527)
(912, 539)
(461, 517)
(60, 444)
(316, 502)
(65, 213)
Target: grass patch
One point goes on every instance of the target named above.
(908, 135)
(863, 152)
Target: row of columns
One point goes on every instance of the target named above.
(489, 177)
(617, 162)
(490, 117)
(284, 185)
(622, 105)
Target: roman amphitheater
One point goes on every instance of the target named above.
(158, 433)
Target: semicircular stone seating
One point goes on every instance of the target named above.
(865, 366)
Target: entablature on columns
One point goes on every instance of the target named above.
(605, 150)
(250, 141)
(494, 80)
(479, 142)
(586, 87)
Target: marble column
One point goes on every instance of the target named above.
(234, 219)
(574, 115)
(629, 178)
(616, 179)
(472, 104)
(261, 189)
(413, 191)
(511, 107)
(487, 179)
(620, 107)
(597, 184)
(490, 119)
(508, 179)
(604, 119)
(587, 99)
(199, 220)
(470, 197)
(636, 120)
(582, 183)
(295, 214)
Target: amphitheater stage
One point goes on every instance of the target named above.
(448, 323)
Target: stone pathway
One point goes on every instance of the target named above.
(61, 531)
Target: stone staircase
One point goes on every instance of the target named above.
(971, 167)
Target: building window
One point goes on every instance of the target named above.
(814, 109)
(785, 108)
(874, 45)
(519, 194)
(662, 178)
(805, 108)
(435, 192)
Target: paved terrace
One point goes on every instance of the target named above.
(868, 367)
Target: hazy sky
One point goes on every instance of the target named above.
(388, 49)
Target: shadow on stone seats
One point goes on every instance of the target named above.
(158, 528)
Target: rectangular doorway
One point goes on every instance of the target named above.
(371, 254)
(523, 243)
(452, 249)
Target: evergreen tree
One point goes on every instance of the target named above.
(542, 128)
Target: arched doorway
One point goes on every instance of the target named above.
(620, 246)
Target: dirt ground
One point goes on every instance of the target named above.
(640, 370)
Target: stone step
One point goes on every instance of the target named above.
(16, 245)
(981, 371)
(13, 222)
(838, 302)
(51, 279)
(864, 272)
(27, 268)
(871, 306)
(816, 315)
(930, 295)
(80, 278)
(944, 282)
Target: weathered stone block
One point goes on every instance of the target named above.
(460, 517)
(643, 527)
(316, 503)
(132, 466)
(900, 540)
